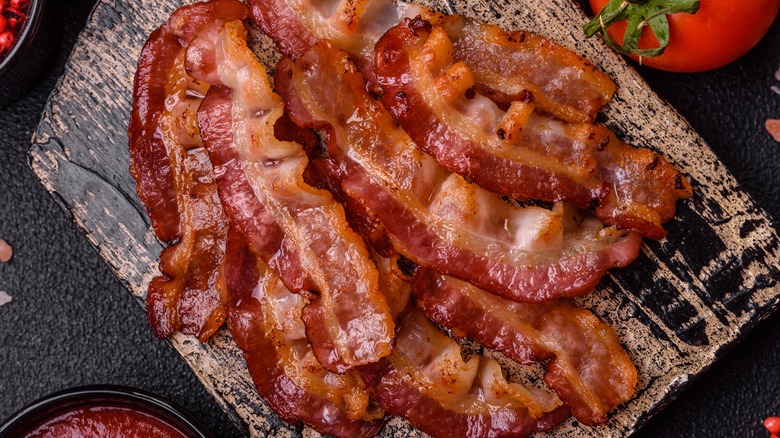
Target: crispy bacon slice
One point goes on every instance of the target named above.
(587, 366)
(427, 382)
(589, 369)
(155, 134)
(518, 153)
(174, 176)
(356, 324)
(324, 173)
(519, 65)
(394, 282)
(435, 218)
(265, 320)
(508, 66)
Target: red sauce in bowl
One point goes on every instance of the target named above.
(102, 411)
(105, 421)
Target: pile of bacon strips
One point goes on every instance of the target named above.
(410, 166)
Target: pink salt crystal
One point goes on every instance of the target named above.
(6, 252)
(777, 74)
(773, 126)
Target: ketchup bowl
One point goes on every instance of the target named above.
(103, 408)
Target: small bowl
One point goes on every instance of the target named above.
(47, 408)
(23, 65)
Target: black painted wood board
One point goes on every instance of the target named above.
(676, 309)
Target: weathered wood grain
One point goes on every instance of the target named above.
(676, 309)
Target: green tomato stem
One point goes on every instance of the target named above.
(639, 14)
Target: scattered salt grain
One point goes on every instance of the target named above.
(773, 127)
(4, 298)
(775, 88)
(6, 252)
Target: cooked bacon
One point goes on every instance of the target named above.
(278, 21)
(174, 176)
(589, 369)
(394, 282)
(508, 66)
(519, 65)
(587, 366)
(325, 174)
(152, 144)
(416, 404)
(242, 206)
(427, 382)
(518, 152)
(356, 324)
(437, 219)
(186, 297)
(265, 321)
(247, 213)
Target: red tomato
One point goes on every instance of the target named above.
(720, 32)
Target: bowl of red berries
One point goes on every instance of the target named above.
(28, 37)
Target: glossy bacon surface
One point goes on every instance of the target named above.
(435, 218)
(518, 152)
(587, 367)
(265, 320)
(427, 382)
(174, 176)
(152, 140)
(352, 318)
(394, 282)
(507, 65)
(518, 65)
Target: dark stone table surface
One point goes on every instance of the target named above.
(71, 323)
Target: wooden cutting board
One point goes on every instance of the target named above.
(676, 309)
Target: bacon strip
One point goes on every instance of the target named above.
(427, 382)
(265, 321)
(518, 153)
(589, 369)
(159, 76)
(587, 366)
(435, 218)
(394, 282)
(519, 65)
(507, 65)
(351, 310)
(174, 176)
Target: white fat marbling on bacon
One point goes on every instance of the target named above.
(353, 26)
(357, 324)
(265, 320)
(174, 177)
(436, 218)
(518, 152)
(586, 365)
(506, 64)
(427, 381)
